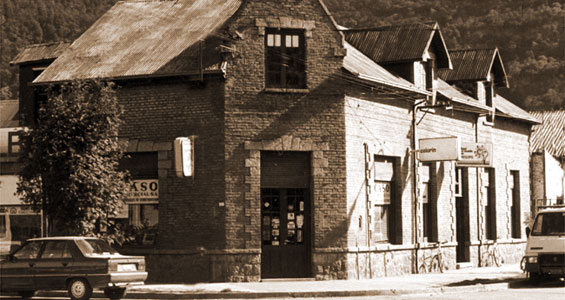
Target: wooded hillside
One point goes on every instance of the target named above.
(529, 33)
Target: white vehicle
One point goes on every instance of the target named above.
(545, 252)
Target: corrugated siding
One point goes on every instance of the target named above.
(363, 67)
(550, 134)
(511, 110)
(140, 38)
(469, 64)
(393, 43)
(40, 52)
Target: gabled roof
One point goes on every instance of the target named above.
(40, 52)
(459, 99)
(362, 67)
(550, 134)
(137, 38)
(400, 43)
(475, 65)
(9, 113)
(507, 109)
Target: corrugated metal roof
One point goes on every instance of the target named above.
(475, 65)
(40, 52)
(452, 93)
(399, 43)
(508, 109)
(550, 134)
(9, 113)
(136, 38)
(364, 68)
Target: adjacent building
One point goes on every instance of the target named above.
(548, 159)
(301, 153)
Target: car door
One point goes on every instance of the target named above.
(18, 270)
(54, 265)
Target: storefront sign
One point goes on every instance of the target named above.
(184, 156)
(381, 192)
(475, 155)
(143, 191)
(17, 210)
(439, 149)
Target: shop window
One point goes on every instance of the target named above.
(458, 183)
(429, 202)
(490, 208)
(140, 215)
(13, 143)
(285, 58)
(383, 200)
(515, 205)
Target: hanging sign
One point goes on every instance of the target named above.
(439, 149)
(184, 156)
(475, 155)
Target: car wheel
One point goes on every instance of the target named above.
(79, 289)
(115, 293)
(26, 294)
(534, 278)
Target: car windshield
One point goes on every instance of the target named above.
(95, 247)
(549, 223)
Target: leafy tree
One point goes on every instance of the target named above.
(71, 160)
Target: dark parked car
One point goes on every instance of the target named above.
(77, 264)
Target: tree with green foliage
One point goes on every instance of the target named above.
(70, 159)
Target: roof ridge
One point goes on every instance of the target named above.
(46, 44)
(397, 26)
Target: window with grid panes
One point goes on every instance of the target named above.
(285, 58)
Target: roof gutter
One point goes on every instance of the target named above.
(197, 75)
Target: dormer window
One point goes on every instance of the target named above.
(285, 58)
(490, 93)
(431, 74)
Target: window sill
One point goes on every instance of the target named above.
(286, 91)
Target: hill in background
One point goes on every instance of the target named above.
(529, 34)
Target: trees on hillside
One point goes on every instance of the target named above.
(71, 160)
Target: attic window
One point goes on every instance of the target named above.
(285, 58)
(490, 93)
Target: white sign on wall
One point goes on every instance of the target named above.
(476, 155)
(439, 149)
(184, 156)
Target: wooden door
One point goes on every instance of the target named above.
(285, 232)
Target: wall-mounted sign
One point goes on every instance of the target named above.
(475, 155)
(143, 191)
(439, 149)
(184, 156)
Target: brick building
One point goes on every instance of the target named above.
(304, 136)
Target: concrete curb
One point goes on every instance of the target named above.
(305, 294)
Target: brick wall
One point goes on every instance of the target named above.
(157, 113)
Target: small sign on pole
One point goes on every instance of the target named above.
(184, 156)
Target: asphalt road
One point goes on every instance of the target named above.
(517, 290)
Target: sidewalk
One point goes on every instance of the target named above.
(470, 279)
(463, 280)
